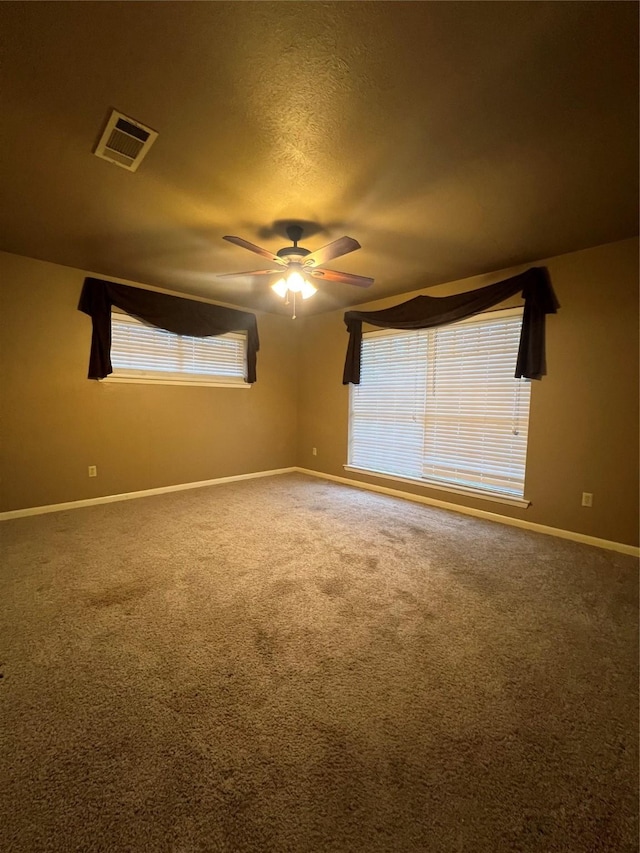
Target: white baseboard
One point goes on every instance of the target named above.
(385, 490)
(481, 513)
(145, 493)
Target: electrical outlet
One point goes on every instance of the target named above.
(93, 471)
(314, 450)
(587, 499)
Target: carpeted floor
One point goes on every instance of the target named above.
(291, 665)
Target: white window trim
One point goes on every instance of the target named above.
(456, 490)
(494, 497)
(153, 380)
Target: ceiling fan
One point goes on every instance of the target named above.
(301, 265)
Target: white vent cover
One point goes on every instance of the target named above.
(125, 141)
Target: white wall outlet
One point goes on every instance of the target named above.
(587, 499)
(93, 471)
(314, 451)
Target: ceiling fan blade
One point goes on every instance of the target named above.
(250, 272)
(332, 250)
(265, 253)
(344, 277)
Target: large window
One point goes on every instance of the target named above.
(442, 406)
(146, 354)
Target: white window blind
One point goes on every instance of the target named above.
(478, 414)
(388, 407)
(149, 354)
(442, 405)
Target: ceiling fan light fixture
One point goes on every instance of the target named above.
(294, 283)
(307, 289)
(280, 287)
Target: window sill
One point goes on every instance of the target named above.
(456, 490)
(148, 380)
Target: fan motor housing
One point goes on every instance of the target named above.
(292, 251)
(294, 233)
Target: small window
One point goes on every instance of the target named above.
(442, 406)
(142, 353)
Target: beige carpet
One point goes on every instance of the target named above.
(294, 665)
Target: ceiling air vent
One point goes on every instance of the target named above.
(125, 141)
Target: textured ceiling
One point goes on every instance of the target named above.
(450, 139)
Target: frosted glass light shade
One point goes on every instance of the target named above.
(307, 289)
(294, 283)
(280, 287)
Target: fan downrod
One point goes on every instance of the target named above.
(294, 233)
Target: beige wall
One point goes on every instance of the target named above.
(584, 414)
(56, 422)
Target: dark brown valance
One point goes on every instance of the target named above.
(172, 313)
(425, 312)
